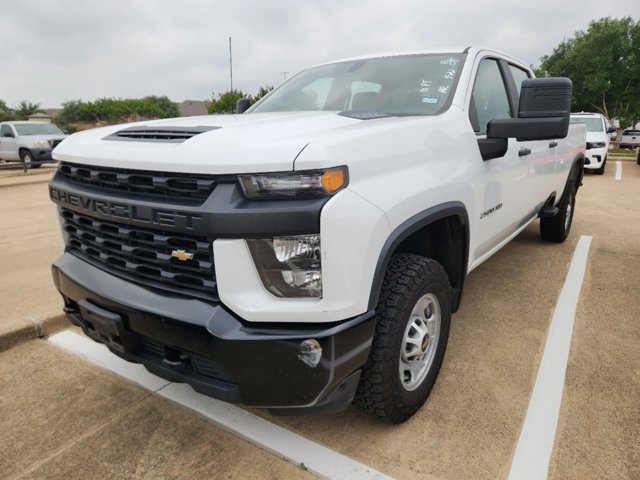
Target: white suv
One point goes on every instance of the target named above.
(597, 140)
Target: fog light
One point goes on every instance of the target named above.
(310, 352)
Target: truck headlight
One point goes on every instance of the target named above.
(305, 183)
(591, 145)
(289, 266)
(40, 143)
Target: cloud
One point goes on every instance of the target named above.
(63, 49)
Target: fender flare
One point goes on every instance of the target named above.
(579, 159)
(411, 226)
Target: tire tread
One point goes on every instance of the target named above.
(401, 284)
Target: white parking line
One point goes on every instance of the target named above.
(618, 170)
(535, 445)
(296, 449)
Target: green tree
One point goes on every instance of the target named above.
(261, 93)
(225, 102)
(70, 113)
(26, 108)
(5, 112)
(158, 107)
(604, 65)
(115, 110)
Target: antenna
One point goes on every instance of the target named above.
(233, 109)
(230, 65)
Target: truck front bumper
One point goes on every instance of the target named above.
(594, 158)
(41, 154)
(289, 368)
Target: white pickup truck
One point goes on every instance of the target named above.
(309, 253)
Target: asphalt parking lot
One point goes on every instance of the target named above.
(63, 417)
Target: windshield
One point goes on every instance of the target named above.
(594, 124)
(401, 85)
(37, 129)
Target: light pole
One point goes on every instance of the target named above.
(231, 73)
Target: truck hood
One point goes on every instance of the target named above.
(257, 142)
(597, 137)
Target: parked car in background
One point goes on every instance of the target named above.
(29, 142)
(630, 139)
(597, 140)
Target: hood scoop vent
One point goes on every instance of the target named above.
(158, 134)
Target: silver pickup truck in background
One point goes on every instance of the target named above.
(29, 142)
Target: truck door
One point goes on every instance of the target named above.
(543, 154)
(501, 188)
(7, 143)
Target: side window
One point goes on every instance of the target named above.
(4, 129)
(489, 99)
(519, 76)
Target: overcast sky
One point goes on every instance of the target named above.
(58, 50)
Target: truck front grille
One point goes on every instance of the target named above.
(155, 184)
(144, 255)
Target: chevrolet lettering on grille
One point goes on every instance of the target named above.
(141, 214)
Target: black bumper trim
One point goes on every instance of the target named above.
(261, 362)
(41, 154)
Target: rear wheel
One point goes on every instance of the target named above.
(412, 329)
(556, 228)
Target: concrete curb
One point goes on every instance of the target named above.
(37, 329)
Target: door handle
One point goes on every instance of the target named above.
(523, 152)
(553, 144)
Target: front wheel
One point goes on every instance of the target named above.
(412, 329)
(27, 159)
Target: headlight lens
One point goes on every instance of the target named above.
(289, 266)
(306, 183)
(41, 143)
(591, 145)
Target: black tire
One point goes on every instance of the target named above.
(27, 159)
(409, 282)
(600, 171)
(557, 228)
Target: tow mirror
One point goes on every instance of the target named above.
(543, 112)
(242, 105)
(612, 130)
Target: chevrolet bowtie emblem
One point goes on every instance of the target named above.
(182, 255)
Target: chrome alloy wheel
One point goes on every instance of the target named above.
(420, 341)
